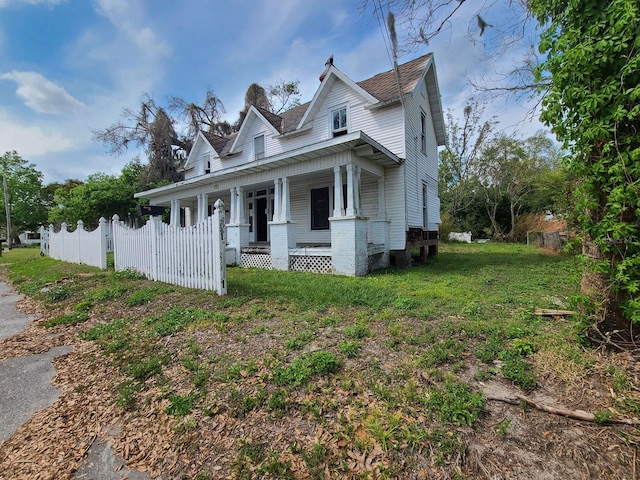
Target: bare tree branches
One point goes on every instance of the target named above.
(206, 116)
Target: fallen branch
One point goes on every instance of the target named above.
(552, 313)
(575, 414)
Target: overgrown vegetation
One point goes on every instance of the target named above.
(305, 373)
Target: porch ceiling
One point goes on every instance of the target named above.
(363, 145)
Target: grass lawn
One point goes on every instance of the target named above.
(295, 375)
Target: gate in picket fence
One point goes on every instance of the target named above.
(192, 256)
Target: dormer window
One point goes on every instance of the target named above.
(206, 162)
(339, 124)
(258, 147)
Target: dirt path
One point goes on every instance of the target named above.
(26, 388)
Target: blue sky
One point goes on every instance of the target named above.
(68, 67)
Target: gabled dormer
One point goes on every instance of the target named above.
(258, 127)
(205, 154)
(339, 114)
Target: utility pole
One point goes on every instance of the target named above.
(7, 209)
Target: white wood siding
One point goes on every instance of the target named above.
(420, 168)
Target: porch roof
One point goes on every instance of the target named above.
(360, 142)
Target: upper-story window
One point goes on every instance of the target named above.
(339, 121)
(423, 132)
(206, 162)
(258, 147)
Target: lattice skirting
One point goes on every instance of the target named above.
(256, 260)
(310, 263)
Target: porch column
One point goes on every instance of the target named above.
(232, 207)
(380, 229)
(353, 191)
(382, 208)
(237, 229)
(174, 216)
(276, 200)
(241, 218)
(286, 200)
(338, 202)
(357, 190)
(187, 217)
(203, 202)
(282, 230)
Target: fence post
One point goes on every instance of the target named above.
(63, 231)
(79, 233)
(219, 249)
(43, 240)
(51, 232)
(115, 219)
(103, 231)
(155, 229)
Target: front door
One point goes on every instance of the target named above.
(261, 219)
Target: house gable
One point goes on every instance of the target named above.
(429, 81)
(332, 76)
(200, 153)
(255, 122)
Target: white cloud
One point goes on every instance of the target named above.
(42, 95)
(128, 18)
(30, 140)
(7, 3)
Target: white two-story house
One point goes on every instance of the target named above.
(337, 184)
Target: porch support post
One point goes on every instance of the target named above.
(276, 201)
(382, 208)
(187, 216)
(282, 230)
(241, 218)
(338, 206)
(237, 229)
(356, 190)
(174, 216)
(203, 203)
(286, 213)
(233, 220)
(380, 230)
(350, 212)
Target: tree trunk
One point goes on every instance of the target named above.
(512, 210)
(611, 326)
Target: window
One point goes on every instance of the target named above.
(320, 208)
(339, 121)
(206, 161)
(258, 147)
(425, 210)
(423, 132)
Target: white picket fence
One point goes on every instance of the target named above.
(79, 246)
(192, 257)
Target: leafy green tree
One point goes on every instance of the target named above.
(49, 190)
(513, 170)
(592, 58)
(283, 96)
(24, 185)
(460, 160)
(100, 196)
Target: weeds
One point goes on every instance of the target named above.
(305, 367)
(350, 349)
(68, 319)
(516, 369)
(181, 405)
(455, 403)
